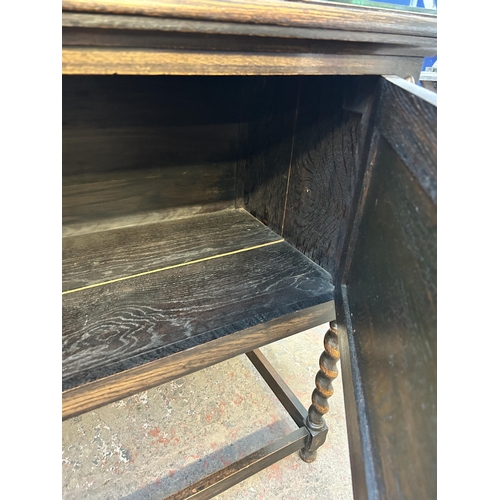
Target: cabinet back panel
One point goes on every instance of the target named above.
(147, 148)
(271, 116)
(323, 170)
(303, 157)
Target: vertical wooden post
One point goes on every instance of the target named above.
(315, 423)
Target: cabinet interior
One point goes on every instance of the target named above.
(141, 150)
(207, 216)
(196, 209)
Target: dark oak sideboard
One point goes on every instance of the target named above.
(235, 173)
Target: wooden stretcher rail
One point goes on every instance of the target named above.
(113, 388)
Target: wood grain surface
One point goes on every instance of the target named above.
(308, 159)
(115, 327)
(121, 38)
(112, 388)
(133, 146)
(406, 115)
(323, 170)
(366, 100)
(410, 126)
(391, 290)
(106, 255)
(109, 61)
(101, 200)
(356, 414)
(156, 24)
(269, 12)
(239, 470)
(272, 110)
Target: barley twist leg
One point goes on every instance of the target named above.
(315, 422)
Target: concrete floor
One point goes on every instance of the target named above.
(157, 442)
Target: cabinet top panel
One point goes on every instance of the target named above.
(326, 15)
(239, 37)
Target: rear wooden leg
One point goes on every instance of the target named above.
(314, 422)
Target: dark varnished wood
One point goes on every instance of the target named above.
(140, 38)
(410, 126)
(389, 317)
(149, 153)
(126, 102)
(287, 398)
(110, 61)
(307, 159)
(165, 156)
(366, 150)
(115, 327)
(272, 111)
(106, 255)
(325, 165)
(123, 384)
(361, 460)
(122, 198)
(328, 372)
(413, 137)
(136, 146)
(241, 469)
(269, 12)
(412, 45)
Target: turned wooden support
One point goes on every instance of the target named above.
(315, 422)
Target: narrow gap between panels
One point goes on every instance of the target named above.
(145, 273)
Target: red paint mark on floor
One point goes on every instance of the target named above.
(161, 440)
(171, 472)
(274, 468)
(165, 439)
(275, 472)
(237, 400)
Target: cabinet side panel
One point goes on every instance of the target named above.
(392, 294)
(329, 137)
(409, 125)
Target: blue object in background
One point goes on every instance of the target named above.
(428, 62)
(411, 3)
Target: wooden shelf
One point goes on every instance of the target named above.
(106, 255)
(147, 304)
